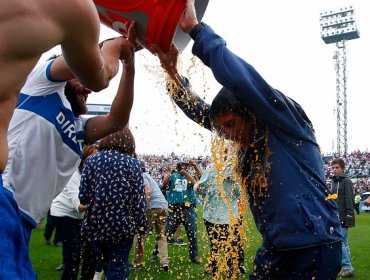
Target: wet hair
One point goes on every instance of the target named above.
(226, 102)
(86, 152)
(122, 141)
(340, 162)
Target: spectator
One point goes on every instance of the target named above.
(301, 239)
(49, 229)
(342, 187)
(357, 202)
(67, 212)
(219, 194)
(157, 216)
(113, 189)
(32, 29)
(56, 135)
(182, 204)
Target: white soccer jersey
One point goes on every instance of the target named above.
(45, 144)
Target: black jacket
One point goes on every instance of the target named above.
(343, 186)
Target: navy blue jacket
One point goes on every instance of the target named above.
(293, 213)
(113, 188)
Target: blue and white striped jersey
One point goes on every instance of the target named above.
(45, 144)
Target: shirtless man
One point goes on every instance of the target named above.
(28, 29)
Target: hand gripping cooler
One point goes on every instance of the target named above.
(156, 20)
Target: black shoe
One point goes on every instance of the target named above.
(180, 242)
(60, 267)
(47, 242)
(135, 267)
(242, 269)
(208, 271)
(195, 260)
(346, 273)
(165, 268)
(171, 241)
(154, 258)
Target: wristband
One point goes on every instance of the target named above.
(196, 29)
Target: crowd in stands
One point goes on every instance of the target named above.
(358, 167)
(357, 162)
(159, 166)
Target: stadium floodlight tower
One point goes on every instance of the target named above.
(337, 26)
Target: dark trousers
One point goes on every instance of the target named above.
(89, 261)
(318, 262)
(357, 208)
(113, 258)
(222, 241)
(69, 230)
(180, 214)
(49, 228)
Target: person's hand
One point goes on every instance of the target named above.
(189, 18)
(168, 61)
(192, 162)
(126, 46)
(82, 208)
(129, 47)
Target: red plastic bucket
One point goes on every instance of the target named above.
(156, 20)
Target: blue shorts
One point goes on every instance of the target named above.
(15, 262)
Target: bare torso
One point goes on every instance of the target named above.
(27, 30)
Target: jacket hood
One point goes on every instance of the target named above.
(341, 177)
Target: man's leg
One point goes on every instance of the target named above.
(318, 262)
(89, 261)
(69, 230)
(189, 220)
(216, 235)
(118, 255)
(173, 221)
(346, 253)
(159, 218)
(49, 228)
(14, 256)
(139, 252)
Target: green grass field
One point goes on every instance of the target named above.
(46, 258)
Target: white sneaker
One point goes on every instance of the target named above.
(98, 276)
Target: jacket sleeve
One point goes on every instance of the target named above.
(85, 192)
(349, 203)
(139, 199)
(73, 189)
(201, 188)
(194, 107)
(270, 105)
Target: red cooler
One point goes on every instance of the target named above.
(156, 20)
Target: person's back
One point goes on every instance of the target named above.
(157, 199)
